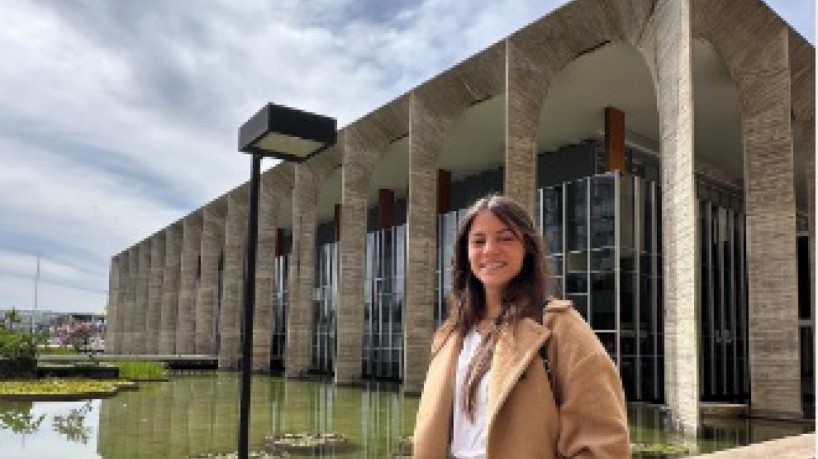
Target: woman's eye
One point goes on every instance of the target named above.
(478, 242)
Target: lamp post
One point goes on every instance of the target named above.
(289, 135)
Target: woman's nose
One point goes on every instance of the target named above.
(489, 246)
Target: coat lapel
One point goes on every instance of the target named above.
(446, 346)
(512, 355)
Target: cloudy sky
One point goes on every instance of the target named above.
(119, 117)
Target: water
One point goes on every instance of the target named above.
(198, 414)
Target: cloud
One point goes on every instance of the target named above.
(118, 118)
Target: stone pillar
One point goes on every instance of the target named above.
(265, 265)
(128, 338)
(674, 80)
(170, 289)
(189, 272)
(276, 190)
(764, 89)
(113, 306)
(358, 161)
(526, 86)
(122, 303)
(808, 146)
(142, 296)
(212, 241)
(235, 237)
(298, 349)
(156, 276)
(425, 139)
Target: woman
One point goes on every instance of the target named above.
(489, 392)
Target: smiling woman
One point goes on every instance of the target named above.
(485, 379)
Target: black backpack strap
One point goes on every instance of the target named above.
(546, 364)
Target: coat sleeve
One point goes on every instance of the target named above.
(593, 414)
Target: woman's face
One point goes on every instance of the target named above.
(495, 252)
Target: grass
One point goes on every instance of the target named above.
(141, 371)
(61, 350)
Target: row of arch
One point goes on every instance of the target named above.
(770, 66)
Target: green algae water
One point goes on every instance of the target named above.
(197, 415)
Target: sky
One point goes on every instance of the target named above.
(118, 118)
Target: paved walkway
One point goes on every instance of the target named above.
(796, 447)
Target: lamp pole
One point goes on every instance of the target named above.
(249, 307)
(289, 135)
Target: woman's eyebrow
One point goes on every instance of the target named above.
(481, 233)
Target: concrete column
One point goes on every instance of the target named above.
(142, 296)
(674, 80)
(212, 241)
(265, 265)
(128, 338)
(276, 190)
(426, 135)
(189, 272)
(808, 146)
(358, 161)
(526, 85)
(155, 279)
(170, 289)
(113, 306)
(764, 90)
(235, 241)
(298, 349)
(122, 303)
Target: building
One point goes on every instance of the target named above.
(665, 146)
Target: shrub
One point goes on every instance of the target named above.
(140, 370)
(18, 353)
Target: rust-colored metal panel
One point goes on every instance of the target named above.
(615, 139)
(444, 191)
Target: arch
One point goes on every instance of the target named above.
(534, 55)
(755, 45)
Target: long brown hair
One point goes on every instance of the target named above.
(523, 297)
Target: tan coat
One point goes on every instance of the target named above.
(523, 418)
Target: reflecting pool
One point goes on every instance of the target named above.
(192, 415)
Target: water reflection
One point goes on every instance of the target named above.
(195, 415)
(198, 415)
(17, 417)
(72, 425)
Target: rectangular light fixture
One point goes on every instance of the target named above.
(286, 133)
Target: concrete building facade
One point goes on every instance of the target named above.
(666, 148)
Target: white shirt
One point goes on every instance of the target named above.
(469, 439)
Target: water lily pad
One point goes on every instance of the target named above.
(307, 443)
(235, 455)
(659, 449)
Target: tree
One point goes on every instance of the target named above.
(11, 317)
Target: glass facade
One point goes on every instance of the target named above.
(384, 297)
(446, 233)
(603, 239)
(325, 304)
(603, 254)
(280, 305)
(723, 296)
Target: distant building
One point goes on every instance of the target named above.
(666, 148)
(58, 326)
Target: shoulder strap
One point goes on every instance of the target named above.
(552, 306)
(546, 363)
